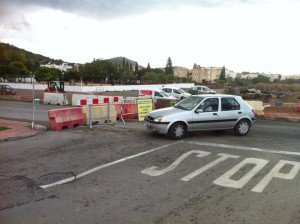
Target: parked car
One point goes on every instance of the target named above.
(202, 112)
(195, 90)
(155, 94)
(7, 90)
(177, 92)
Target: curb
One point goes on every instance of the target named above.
(276, 118)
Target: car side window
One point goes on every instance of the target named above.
(157, 94)
(176, 91)
(229, 103)
(167, 90)
(209, 105)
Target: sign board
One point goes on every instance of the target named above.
(144, 107)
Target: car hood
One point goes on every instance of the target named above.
(169, 97)
(165, 111)
(187, 94)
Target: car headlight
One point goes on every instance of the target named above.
(158, 119)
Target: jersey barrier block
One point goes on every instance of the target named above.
(65, 118)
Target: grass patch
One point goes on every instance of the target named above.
(3, 128)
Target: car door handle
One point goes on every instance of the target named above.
(239, 112)
(215, 114)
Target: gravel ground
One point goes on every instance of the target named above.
(290, 105)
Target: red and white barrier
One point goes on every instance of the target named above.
(99, 100)
(65, 118)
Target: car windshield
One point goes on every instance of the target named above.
(189, 103)
(6, 87)
(164, 94)
(180, 90)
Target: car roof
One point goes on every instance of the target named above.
(152, 89)
(171, 87)
(215, 95)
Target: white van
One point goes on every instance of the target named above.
(155, 94)
(177, 92)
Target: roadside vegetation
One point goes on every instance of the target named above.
(3, 128)
(17, 64)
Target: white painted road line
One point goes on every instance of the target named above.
(153, 171)
(106, 165)
(223, 157)
(163, 171)
(242, 148)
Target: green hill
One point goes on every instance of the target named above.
(10, 53)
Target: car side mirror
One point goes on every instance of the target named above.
(198, 111)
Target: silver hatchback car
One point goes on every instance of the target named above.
(202, 112)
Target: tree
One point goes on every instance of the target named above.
(47, 74)
(8, 72)
(21, 68)
(99, 70)
(222, 74)
(169, 67)
(71, 75)
(148, 66)
(136, 68)
(260, 79)
(123, 63)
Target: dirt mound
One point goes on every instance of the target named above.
(295, 97)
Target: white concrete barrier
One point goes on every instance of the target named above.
(257, 106)
(55, 98)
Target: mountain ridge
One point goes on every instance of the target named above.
(11, 52)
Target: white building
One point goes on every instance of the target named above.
(63, 67)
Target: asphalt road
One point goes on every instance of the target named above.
(24, 111)
(124, 174)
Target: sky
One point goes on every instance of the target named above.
(242, 35)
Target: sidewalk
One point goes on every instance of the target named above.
(17, 129)
(292, 117)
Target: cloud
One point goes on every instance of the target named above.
(103, 9)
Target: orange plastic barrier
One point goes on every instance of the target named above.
(65, 118)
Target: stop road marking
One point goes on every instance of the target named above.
(225, 179)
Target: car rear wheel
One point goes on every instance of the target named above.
(242, 127)
(177, 131)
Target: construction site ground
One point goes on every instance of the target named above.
(276, 105)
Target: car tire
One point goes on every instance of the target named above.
(242, 127)
(177, 131)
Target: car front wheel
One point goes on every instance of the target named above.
(177, 131)
(242, 127)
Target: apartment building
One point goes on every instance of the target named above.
(199, 74)
(181, 72)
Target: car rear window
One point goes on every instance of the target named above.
(229, 103)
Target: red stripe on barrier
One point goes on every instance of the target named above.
(106, 100)
(116, 99)
(83, 102)
(95, 101)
